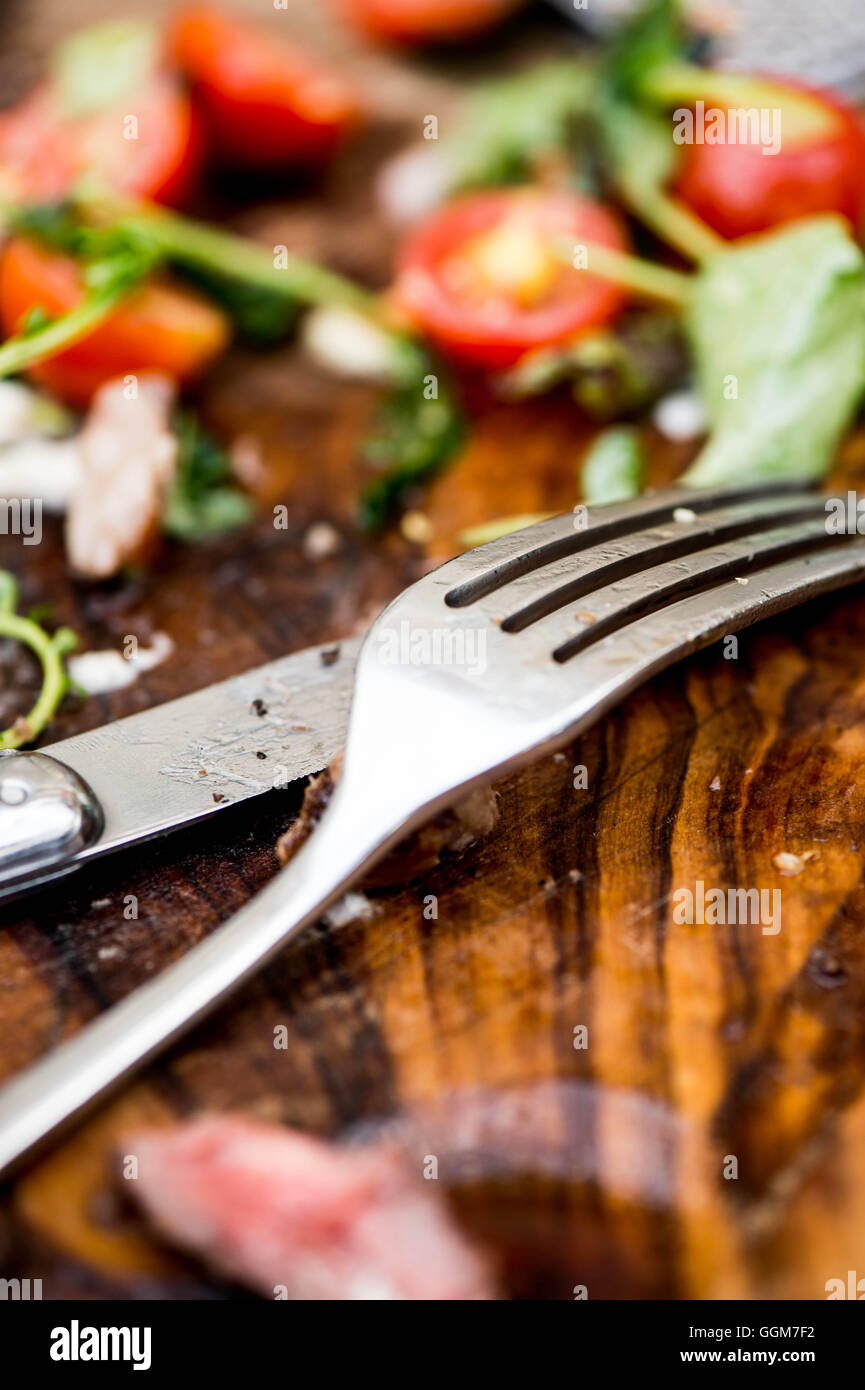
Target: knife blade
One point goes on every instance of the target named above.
(168, 766)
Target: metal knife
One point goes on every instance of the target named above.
(166, 767)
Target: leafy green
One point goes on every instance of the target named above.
(556, 109)
(33, 321)
(420, 427)
(628, 367)
(53, 224)
(113, 264)
(213, 252)
(202, 501)
(777, 326)
(641, 157)
(613, 372)
(639, 147)
(636, 141)
(61, 227)
(118, 247)
(102, 64)
(612, 470)
(655, 36)
(507, 126)
(262, 315)
(43, 336)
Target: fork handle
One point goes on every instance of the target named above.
(54, 1091)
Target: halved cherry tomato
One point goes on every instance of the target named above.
(160, 327)
(266, 103)
(43, 153)
(489, 276)
(739, 190)
(425, 21)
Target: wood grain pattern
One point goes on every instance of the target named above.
(600, 1166)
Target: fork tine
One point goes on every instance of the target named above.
(624, 659)
(563, 632)
(542, 591)
(490, 566)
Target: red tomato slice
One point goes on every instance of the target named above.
(267, 104)
(487, 277)
(150, 147)
(423, 21)
(739, 191)
(160, 327)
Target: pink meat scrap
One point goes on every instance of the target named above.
(301, 1218)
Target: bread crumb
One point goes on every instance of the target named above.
(321, 541)
(789, 864)
(416, 527)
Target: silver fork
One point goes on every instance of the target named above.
(504, 653)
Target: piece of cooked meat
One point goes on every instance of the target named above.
(127, 454)
(301, 1218)
(452, 830)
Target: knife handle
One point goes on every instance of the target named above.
(48, 814)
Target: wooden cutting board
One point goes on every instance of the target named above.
(700, 1051)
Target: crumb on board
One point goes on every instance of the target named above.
(416, 527)
(321, 540)
(790, 864)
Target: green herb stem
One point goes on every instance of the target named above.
(672, 84)
(674, 223)
(210, 248)
(642, 278)
(50, 651)
(24, 350)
